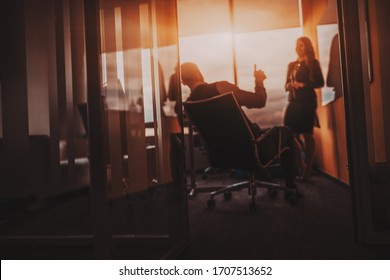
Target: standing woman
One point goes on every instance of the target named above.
(303, 76)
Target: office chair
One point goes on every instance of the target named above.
(231, 144)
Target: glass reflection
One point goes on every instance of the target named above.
(326, 43)
(44, 162)
(139, 55)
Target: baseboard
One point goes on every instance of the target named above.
(334, 179)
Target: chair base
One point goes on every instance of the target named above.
(291, 195)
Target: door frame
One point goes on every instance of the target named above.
(355, 68)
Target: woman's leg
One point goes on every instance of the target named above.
(309, 154)
(298, 155)
(275, 140)
(288, 156)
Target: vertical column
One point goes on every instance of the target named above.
(14, 100)
(78, 66)
(137, 167)
(68, 86)
(53, 95)
(113, 99)
(98, 172)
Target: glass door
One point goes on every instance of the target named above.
(146, 207)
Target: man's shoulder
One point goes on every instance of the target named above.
(223, 83)
(203, 91)
(225, 86)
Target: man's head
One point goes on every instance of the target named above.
(190, 74)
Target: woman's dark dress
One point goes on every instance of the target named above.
(301, 111)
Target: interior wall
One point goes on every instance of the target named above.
(331, 147)
(332, 140)
(37, 66)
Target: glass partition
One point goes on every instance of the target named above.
(49, 194)
(44, 164)
(146, 189)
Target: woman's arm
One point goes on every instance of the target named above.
(316, 79)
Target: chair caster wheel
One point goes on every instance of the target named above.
(272, 193)
(252, 207)
(211, 203)
(227, 195)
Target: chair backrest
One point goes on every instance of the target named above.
(225, 130)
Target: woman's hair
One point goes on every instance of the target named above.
(310, 54)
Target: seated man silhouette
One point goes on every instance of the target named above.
(269, 146)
